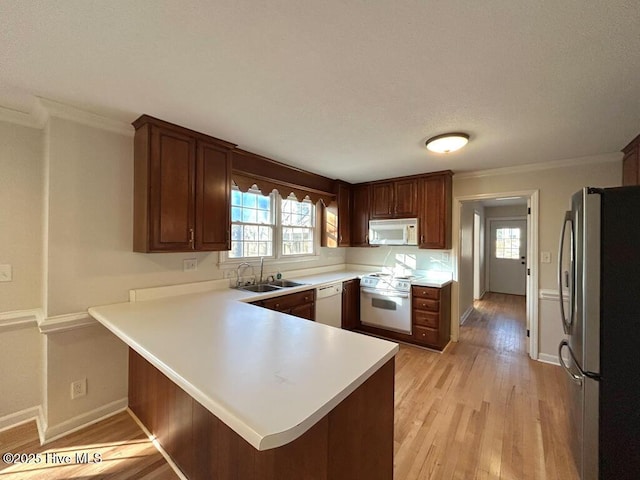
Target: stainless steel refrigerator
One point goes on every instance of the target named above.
(599, 280)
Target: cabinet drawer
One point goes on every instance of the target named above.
(425, 335)
(426, 319)
(426, 304)
(426, 292)
(286, 302)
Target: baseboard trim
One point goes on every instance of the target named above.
(466, 314)
(23, 416)
(546, 358)
(156, 444)
(84, 420)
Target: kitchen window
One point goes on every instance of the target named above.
(269, 226)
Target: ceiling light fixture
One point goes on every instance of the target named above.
(447, 142)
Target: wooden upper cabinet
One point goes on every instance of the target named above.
(344, 214)
(213, 198)
(394, 199)
(631, 163)
(336, 218)
(406, 198)
(181, 189)
(382, 200)
(360, 216)
(435, 211)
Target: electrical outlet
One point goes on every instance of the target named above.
(545, 257)
(5, 273)
(445, 256)
(78, 388)
(189, 265)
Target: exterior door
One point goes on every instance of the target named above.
(507, 256)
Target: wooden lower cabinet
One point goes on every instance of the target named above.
(351, 304)
(431, 316)
(300, 304)
(353, 441)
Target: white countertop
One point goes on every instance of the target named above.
(267, 375)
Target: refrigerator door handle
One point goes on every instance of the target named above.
(583, 373)
(566, 320)
(573, 376)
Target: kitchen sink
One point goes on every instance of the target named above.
(261, 288)
(285, 283)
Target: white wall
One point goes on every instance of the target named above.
(556, 185)
(465, 258)
(506, 211)
(21, 180)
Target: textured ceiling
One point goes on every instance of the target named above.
(347, 89)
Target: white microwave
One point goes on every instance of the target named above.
(401, 231)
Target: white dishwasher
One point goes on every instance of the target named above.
(329, 304)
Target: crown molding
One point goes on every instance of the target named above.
(19, 319)
(534, 167)
(19, 118)
(69, 321)
(43, 109)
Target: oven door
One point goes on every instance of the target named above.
(386, 309)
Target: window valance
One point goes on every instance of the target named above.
(266, 185)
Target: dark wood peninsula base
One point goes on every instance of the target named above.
(353, 441)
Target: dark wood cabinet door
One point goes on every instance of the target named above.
(213, 177)
(360, 216)
(351, 304)
(435, 208)
(171, 191)
(382, 200)
(344, 215)
(336, 218)
(406, 198)
(305, 310)
(631, 168)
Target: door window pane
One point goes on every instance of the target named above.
(508, 243)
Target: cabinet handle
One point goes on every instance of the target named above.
(366, 238)
(277, 305)
(422, 238)
(340, 239)
(191, 238)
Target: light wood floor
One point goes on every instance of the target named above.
(125, 450)
(481, 410)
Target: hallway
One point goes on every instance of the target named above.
(482, 409)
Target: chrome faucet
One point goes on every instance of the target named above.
(243, 264)
(261, 268)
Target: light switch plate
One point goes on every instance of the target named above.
(6, 275)
(189, 265)
(545, 257)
